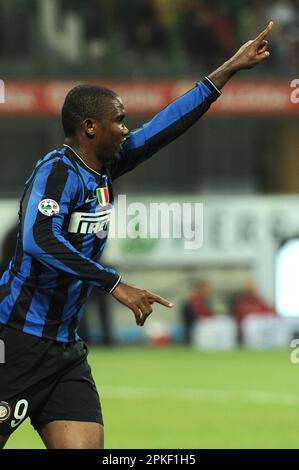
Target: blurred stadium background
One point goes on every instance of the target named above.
(234, 385)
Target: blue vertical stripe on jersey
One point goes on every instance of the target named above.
(54, 272)
(70, 310)
(35, 317)
(22, 301)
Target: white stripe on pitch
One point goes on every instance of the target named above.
(257, 397)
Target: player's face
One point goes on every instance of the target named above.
(112, 132)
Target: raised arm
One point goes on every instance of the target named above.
(167, 126)
(186, 110)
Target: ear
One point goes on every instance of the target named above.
(89, 127)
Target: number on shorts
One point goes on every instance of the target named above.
(20, 412)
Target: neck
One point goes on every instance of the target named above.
(86, 153)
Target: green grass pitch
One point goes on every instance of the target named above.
(177, 397)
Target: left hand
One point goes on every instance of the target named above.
(252, 52)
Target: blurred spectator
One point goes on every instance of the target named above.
(169, 11)
(286, 41)
(150, 36)
(250, 19)
(140, 26)
(16, 28)
(207, 34)
(96, 21)
(248, 301)
(196, 308)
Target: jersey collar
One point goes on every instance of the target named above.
(81, 162)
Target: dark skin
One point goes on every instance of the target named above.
(97, 141)
(248, 56)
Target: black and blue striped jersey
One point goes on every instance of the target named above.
(63, 225)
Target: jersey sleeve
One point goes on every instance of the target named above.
(165, 127)
(54, 191)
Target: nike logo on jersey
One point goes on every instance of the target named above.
(90, 198)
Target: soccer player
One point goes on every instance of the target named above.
(63, 220)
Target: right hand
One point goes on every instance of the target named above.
(138, 300)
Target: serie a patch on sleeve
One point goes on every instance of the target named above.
(48, 207)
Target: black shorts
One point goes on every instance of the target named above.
(46, 380)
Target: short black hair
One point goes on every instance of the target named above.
(85, 101)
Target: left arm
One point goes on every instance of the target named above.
(182, 113)
(165, 126)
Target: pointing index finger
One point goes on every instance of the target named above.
(160, 300)
(264, 33)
